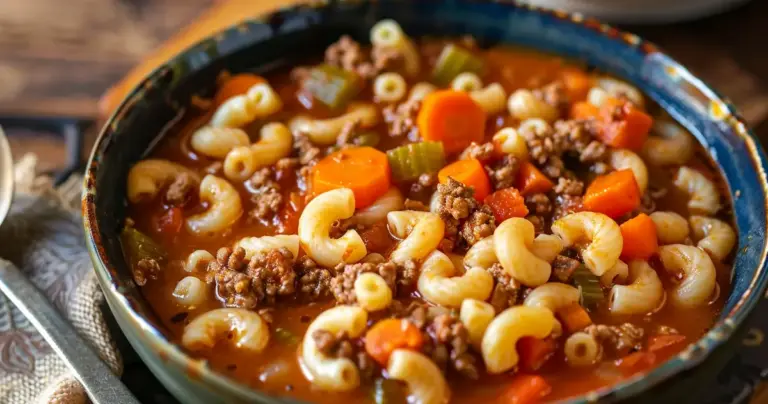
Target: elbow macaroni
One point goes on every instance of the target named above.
(391, 201)
(522, 104)
(467, 82)
(703, 194)
(697, 270)
(372, 292)
(671, 228)
(623, 159)
(511, 142)
(618, 273)
(476, 315)
(388, 34)
(669, 145)
(315, 224)
(421, 233)
(492, 99)
(715, 236)
(260, 101)
(147, 177)
(323, 132)
(217, 142)
(616, 88)
(421, 90)
(513, 240)
(439, 284)
(499, 346)
(243, 328)
(603, 234)
(255, 245)
(333, 374)
(582, 349)
(553, 296)
(275, 143)
(642, 295)
(482, 254)
(389, 87)
(190, 292)
(426, 383)
(225, 207)
(198, 260)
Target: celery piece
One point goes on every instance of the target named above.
(410, 161)
(387, 391)
(589, 287)
(452, 61)
(139, 246)
(367, 139)
(332, 86)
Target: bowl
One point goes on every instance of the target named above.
(280, 38)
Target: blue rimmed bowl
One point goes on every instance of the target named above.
(283, 38)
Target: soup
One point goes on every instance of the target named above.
(429, 221)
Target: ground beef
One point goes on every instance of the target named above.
(503, 174)
(401, 119)
(286, 164)
(538, 204)
(480, 224)
(539, 223)
(666, 330)
(482, 152)
(507, 292)
(306, 151)
(343, 284)
(425, 183)
(181, 190)
(407, 274)
(233, 286)
(272, 274)
(542, 143)
(455, 200)
(565, 205)
(600, 168)
(554, 94)
(145, 269)
(563, 268)
(595, 151)
(554, 167)
(386, 58)
(410, 204)
(348, 132)
(347, 54)
(617, 340)
(266, 195)
(339, 345)
(449, 334)
(313, 282)
(566, 186)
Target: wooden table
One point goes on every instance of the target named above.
(57, 60)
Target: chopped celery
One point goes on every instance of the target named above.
(452, 61)
(139, 246)
(589, 287)
(387, 391)
(286, 337)
(367, 139)
(332, 86)
(410, 161)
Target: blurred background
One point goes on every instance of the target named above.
(58, 58)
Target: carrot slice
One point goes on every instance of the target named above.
(640, 239)
(636, 362)
(470, 173)
(627, 131)
(574, 318)
(506, 203)
(584, 110)
(236, 85)
(532, 181)
(526, 389)
(534, 352)
(661, 342)
(387, 335)
(451, 117)
(613, 194)
(364, 170)
(577, 83)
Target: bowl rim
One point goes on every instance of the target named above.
(695, 353)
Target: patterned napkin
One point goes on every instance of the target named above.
(43, 236)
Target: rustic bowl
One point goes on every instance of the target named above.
(283, 37)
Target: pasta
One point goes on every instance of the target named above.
(642, 295)
(315, 224)
(482, 254)
(332, 374)
(372, 292)
(242, 328)
(426, 383)
(623, 159)
(512, 241)
(198, 260)
(147, 177)
(603, 234)
(616, 88)
(671, 228)
(467, 82)
(324, 132)
(217, 142)
(581, 349)
(510, 142)
(421, 233)
(439, 283)
(697, 270)
(617, 274)
(492, 99)
(391, 201)
(703, 193)
(499, 342)
(260, 101)
(476, 315)
(522, 104)
(275, 143)
(388, 34)
(255, 245)
(553, 296)
(389, 87)
(669, 144)
(420, 90)
(190, 292)
(224, 209)
(715, 236)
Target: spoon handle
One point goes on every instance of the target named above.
(102, 385)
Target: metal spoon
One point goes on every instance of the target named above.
(102, 386)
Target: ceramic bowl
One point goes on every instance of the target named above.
(282, 38)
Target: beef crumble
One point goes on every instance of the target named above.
(266, 195)
(181, 190)
(617, 340)
(563, 268)
(146, 269)
(503, 173)
(348, 54)
(482, 152)
(507, 292)
(401, 119)
(480, 224)
(340, 345)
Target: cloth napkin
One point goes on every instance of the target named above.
(43, 237)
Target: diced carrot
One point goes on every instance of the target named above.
(532, 181)
(170, 222)
(584, 110)
(506, 203)
(631, 128)
(613, 194)
(470, 173)
(451, 117)
(390, 334)
(534, 352)
(525, 389)
(236, 85)
(640, 240)
(577, 83)
(636, 362)
(661, 342)
(574, 318)
(364, 170)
